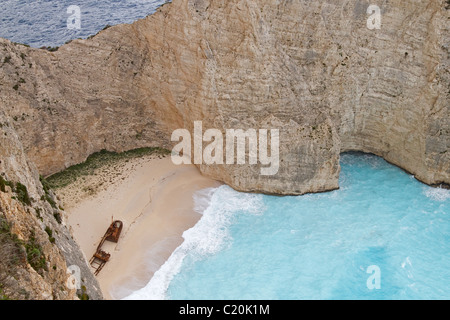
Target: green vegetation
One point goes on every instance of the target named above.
(4, 183)
(45, 184)
(21, 44)
(2, 295)
(22, 194)
(49, 200)
(83, 295)
(57, 217)
(51, 49)
(38, 213)
(93, 162)
(15, 251)
(11, 248)
(47, 197)
(12, 254)
(19, 189)
(35, 256)
(50, 234)
(93, 35)
(7, 59)
(16, 87)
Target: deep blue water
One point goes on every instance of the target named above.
(317, 246)
(44, 22)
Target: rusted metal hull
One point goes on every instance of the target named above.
(114, 231)
(100, 257)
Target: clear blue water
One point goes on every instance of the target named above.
(316, 246)
(44, 22)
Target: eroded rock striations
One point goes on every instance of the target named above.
(312, 69)
(36, 247)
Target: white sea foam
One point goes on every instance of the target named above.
(207, 237)
(437, 194)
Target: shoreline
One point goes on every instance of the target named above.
(153, 198)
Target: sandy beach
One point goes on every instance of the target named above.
(152, 197)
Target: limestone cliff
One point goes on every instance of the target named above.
(36, 248)
(310, 68)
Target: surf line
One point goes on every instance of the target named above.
(236, 140)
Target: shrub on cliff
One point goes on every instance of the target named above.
(19, 189)
(4, 183)
(12, 255)
(35, 256)
(22, 194)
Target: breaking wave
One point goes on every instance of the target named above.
(218, 207)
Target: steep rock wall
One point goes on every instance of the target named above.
(36, 247)
(309, 68)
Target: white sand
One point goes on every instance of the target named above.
(153, 198)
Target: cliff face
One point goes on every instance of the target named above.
(309, 68)
(36, 248)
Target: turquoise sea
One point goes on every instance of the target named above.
(316, 246)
